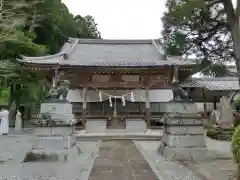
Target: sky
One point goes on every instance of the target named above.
(122, 19)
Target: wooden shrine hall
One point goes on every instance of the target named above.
(114, 79)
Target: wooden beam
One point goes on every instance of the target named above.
(148, 112)
(146, 80)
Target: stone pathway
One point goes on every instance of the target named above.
(14, 147)
(121, 160)
(221, 168)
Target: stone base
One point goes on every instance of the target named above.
(96, 126)
(183, 137)
(59, 111)
(43, 155)
(136, 126)
(54, 131)
(54, 142)
(181, 107)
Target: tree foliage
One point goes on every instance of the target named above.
(203, 28)
(34, 28)
(236, 145)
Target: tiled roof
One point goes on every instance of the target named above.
(113, 53)
(232, 70)
(214, 84)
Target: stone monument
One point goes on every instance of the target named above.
(54, 135)
(226, 115)
(18, 122)
(183, 137)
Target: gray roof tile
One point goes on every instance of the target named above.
(114, 53)
(214, 84)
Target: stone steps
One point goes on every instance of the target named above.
(116, 136)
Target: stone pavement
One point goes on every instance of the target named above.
(121, 160)
(221, 168)
(14, 147)
(118, 156)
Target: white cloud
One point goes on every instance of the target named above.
(122, 19)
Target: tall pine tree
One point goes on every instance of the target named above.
(209, 29)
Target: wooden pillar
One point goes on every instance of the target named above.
(176, 74)
(55, 78)
(215, 102)
(148, 112)
(204, 102)
(84, 111)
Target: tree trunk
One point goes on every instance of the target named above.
(233, 21)
(236, 45)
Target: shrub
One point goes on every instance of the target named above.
(236, 145)
(219, 134)
(237, 101)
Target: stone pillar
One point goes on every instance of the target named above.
(84, 107)
(148, 112)
(183, 137)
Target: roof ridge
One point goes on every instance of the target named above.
(161, 51)
(72, 45)
(115, 41)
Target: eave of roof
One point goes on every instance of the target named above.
(214, 84)
(109, 53)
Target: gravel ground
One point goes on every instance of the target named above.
(14, 147)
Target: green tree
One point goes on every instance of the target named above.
(205, 28)
(87, 28)
(33, 28)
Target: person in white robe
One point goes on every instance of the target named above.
(4, 123)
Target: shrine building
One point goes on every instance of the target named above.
(117, 79)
